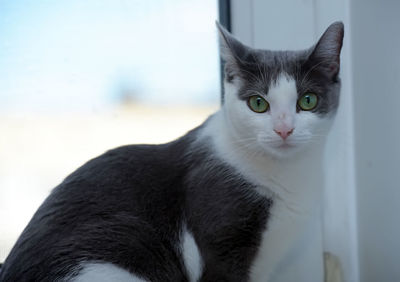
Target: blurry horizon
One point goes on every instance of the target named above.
(90, 55)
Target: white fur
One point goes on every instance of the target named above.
(105, 272)
(288, 170)
(191, 256)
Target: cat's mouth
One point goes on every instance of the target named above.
(279, 145)
(285, 145)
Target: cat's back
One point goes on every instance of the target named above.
(102, 212)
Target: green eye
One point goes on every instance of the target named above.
(308, 101)
(258, 104)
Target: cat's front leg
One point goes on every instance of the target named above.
(214, 275)
(333, 268)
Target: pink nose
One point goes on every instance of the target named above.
(284, 133)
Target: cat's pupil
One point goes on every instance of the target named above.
(308, 99)
(258, 102)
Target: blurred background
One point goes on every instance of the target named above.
(80, 77)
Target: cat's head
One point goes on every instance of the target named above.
(280, 102)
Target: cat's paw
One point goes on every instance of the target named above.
(333, 268)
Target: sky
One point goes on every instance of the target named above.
(72, 55)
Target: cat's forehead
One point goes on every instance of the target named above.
(282, 91)
(264, 67)
(284, 60)
(270, 72)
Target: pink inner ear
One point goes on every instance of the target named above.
(333, 68)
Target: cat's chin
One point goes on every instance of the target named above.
(284, 150)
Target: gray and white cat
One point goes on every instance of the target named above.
(236, 199)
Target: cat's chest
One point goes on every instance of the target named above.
(288, 244)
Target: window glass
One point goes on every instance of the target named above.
(80, 77)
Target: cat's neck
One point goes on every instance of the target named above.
(296, 178)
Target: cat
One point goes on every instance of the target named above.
(235, 199)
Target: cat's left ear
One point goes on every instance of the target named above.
(325, 56)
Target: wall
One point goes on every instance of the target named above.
(376, 60)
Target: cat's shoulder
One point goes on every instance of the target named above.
(128, 157)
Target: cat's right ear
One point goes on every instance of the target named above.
(230, 48)
(232, 51)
